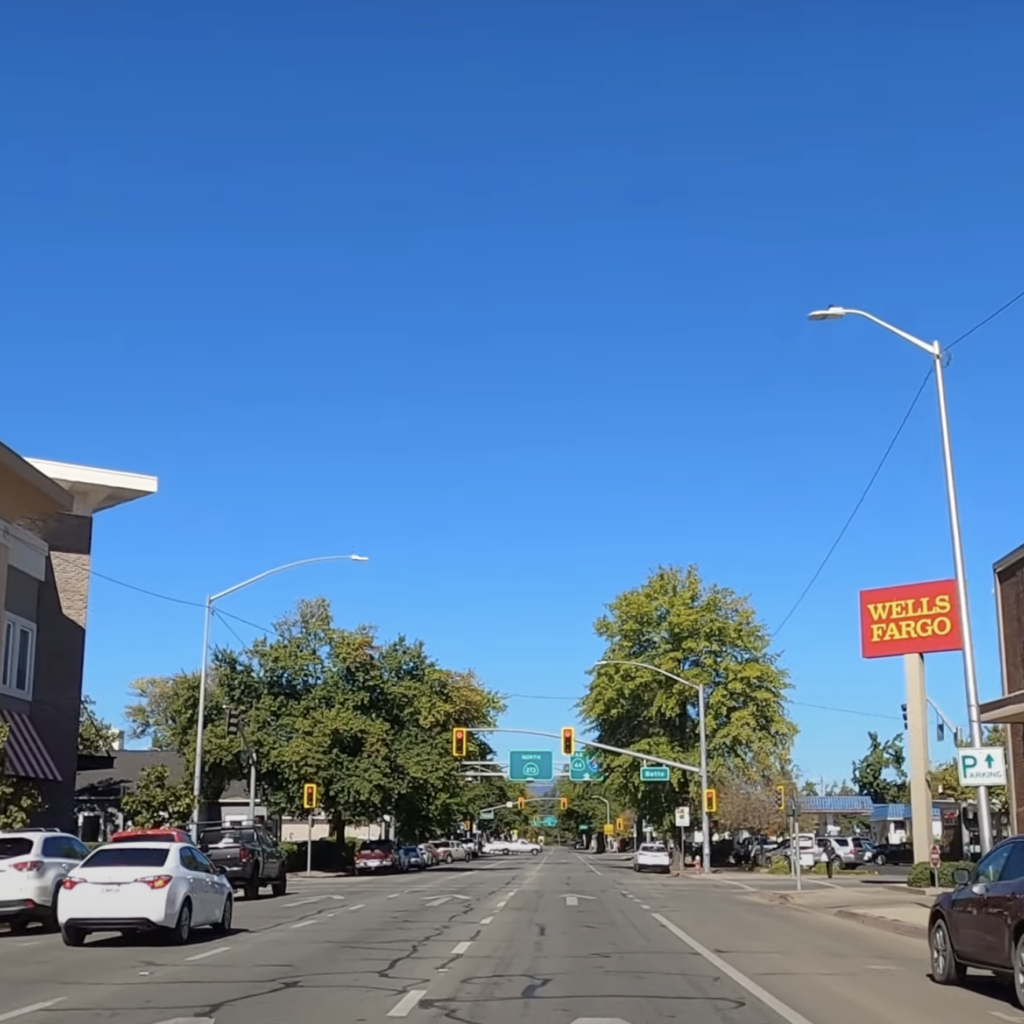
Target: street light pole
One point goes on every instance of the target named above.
(705, 818)
(970, 677)
(197, 777)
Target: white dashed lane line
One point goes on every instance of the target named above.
(407, 1002)
(209, 952)
(305, 924)
(487, 920)
(461, 948)
(11, 1014)
(308, 899)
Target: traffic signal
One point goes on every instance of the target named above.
(710, 801)
(521, 803)
(568, 741)
(564, 803)
(620, 825)
(904, 707)
(234, 722)
(310, 796)
(780, 797)
(460, 741)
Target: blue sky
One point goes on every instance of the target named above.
(511, 298)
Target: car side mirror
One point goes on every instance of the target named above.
(961, 877)
(204, 848)
(222, 870)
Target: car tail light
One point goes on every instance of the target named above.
(70, 883)
(156, 881)
(243, 854)
(28, 865)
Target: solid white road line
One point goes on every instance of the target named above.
(787, 1013)
(304, 924)
(582, 860)
(11, 1014)
(308, 899)
(407, 1002)
(209, 952)
(461, 948)
(487, 920)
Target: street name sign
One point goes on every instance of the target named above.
(981, 766)
(655, 773)
(487, 814)
(531, 765)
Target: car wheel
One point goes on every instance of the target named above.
(252, 886)
(223, 926)
(18, 926)
(51, 924)
(73, 936)
(1018, 971)
(447, 858)
(945, 968)
(182, 930)
(534, 852)
(880, 859)
(279, 887)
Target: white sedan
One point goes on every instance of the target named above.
(136, 887)
(652, 857)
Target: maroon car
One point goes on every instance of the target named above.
(377, 855)
(981, 922)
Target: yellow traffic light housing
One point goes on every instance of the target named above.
(710, 801)
(620, 825)
(460, 741)
(568, 741)
(564, 803)
(521, 803)
(310, 796)
(780, 797)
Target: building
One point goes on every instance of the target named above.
(46, 521)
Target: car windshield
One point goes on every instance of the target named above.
(127, 857)
(14, 846)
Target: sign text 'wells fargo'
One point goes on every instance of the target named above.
(919, 618)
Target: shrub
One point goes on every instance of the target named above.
(778, 866)
(920, 875)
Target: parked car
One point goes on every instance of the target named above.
(847, 851)
(449, 850)
(33, 864)
(652, 857)
(429, 854)
(981, 922)
(137, 887)
(497, 846)
(377, 855)
(150, 835)
(809, 851)
(893, 853)
(412, 857)
(249, 856)
(471, 848)
(524, 846)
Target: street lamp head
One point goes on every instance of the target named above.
(832, 313)
(359, 558)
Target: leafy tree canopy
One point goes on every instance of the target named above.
(95, 736)
(881, 773)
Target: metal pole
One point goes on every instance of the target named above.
(970, 679)
(252, 787)
(309, 847)
(197, 778)
(705, 819)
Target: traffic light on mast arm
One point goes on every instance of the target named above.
(521, 803)
(460, 741)
(780, 797)
(568, 741)
(564, 803)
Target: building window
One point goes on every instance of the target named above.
(19, 656)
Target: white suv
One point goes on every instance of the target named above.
(33, 864)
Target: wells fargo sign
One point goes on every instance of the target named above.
(920, 618)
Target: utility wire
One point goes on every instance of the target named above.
(878, 469)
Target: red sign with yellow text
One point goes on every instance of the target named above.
(919, 618)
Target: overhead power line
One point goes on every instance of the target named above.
(878, 469)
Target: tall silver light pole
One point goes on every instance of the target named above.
(970, 679)
(197, 779)
(705, 859)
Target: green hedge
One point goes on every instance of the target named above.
(920, 875)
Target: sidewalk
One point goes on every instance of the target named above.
(891, 908)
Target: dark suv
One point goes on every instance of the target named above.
(981, 922)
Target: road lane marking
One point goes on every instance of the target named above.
(11, 1014)
(308, 899)
(487, 920)
(303, 924)
(358, 906)
(1005, 1016)
(209, 952)
(587, 864)
(407, 1002)
(787, 1013)
(461, 948)
(500, 903)
(394, 896)
(644, 906)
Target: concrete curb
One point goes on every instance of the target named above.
(911, 931)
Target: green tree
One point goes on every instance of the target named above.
(95, 736)
(881, 773)
(19, 798)
(156, 801)
(708, 635)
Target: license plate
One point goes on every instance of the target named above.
(110, 888)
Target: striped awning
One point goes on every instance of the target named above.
(25, 754)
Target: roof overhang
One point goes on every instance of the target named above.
(32, 493)
(1003, 710)
(93, 489)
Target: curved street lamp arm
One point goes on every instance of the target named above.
(653, 668)
(932, 349)
(281, 568)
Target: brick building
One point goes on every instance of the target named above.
(46, 521)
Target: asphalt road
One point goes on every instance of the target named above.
(558, 939)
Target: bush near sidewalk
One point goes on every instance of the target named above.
(920, 875)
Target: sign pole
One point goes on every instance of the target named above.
(309, 847)
(917, 757)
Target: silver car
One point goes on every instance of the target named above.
(449, 850)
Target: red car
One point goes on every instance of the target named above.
(152, 835)
(377, 855)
